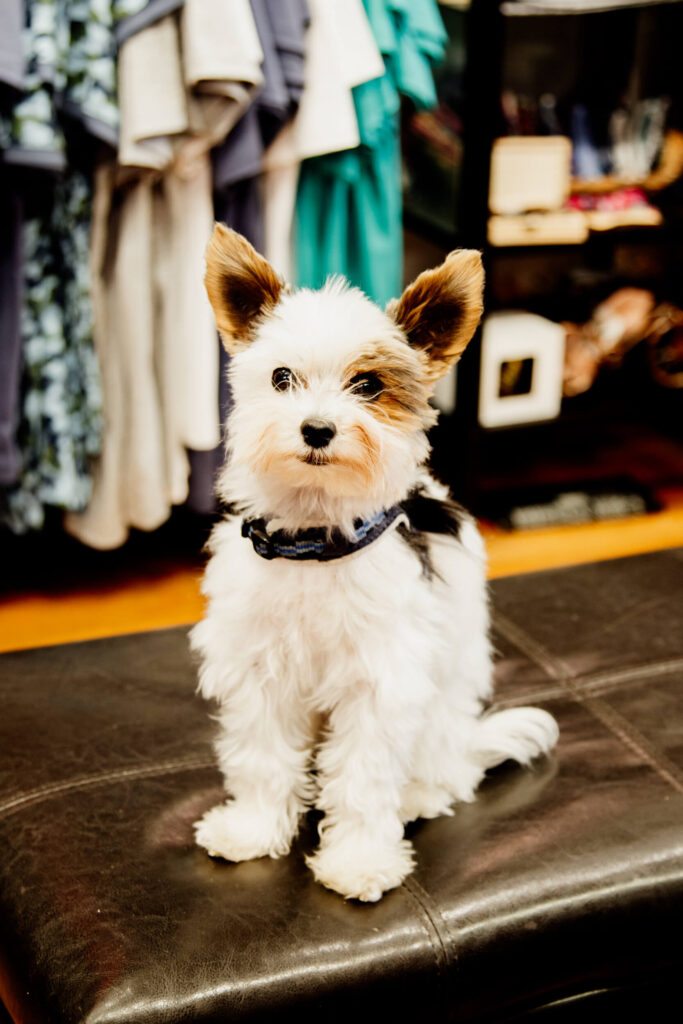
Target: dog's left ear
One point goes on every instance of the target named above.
(241, 285)
(440, 310)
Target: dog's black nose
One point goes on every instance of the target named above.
(317, 433)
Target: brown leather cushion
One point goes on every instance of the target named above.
(559, 883)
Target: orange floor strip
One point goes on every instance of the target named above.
(530, 550)
(40, 619)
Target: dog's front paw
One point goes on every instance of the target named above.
(360, 868)
(237, 833)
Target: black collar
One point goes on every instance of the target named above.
(318, 543)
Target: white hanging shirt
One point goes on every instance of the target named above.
(341, 53)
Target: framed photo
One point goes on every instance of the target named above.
(522, 359)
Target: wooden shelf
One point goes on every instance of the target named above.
(531, 550)
(536, 8)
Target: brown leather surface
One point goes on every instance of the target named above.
(561, 887)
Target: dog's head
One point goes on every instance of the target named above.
(331, 394)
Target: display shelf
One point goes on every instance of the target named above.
(556, 227)
(566, 228)
(668, 170)
(533, 550)
(557, 273)
(536, 8)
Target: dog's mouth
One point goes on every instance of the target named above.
(316, 458)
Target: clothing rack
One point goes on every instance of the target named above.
(126, 128)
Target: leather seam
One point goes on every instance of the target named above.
(20, 800)
(553, 667)
(436, 924)
(428, 927)
(627, 733)
(634, 672)
(449, 947)
(632, 737)
(600, 682)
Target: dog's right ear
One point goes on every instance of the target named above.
(241, 286)
(440, 310)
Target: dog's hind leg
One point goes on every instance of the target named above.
(264, 750)
(442, 769)
(455, 750)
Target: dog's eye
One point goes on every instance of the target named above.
(282, 379)
(366, 384)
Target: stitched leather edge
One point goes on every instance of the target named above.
(436, 925)
(632, 737)
(599, 682)
(627, 733)
(430, 929)
(553, 666)
(32, 796)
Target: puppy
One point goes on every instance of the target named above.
(346, 634)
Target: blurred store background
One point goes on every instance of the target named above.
(363, 137)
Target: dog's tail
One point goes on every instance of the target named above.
(514, 734)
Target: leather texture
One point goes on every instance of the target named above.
(558, 891)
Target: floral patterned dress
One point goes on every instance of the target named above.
(68, 106)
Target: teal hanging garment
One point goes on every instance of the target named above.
(348, 212)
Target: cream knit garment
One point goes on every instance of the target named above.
(183, 83)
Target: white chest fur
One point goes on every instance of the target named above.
(317, 627)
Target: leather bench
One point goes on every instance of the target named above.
(557, 895)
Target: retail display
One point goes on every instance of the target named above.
(599, 83)
(568, 158)
(616, 325)
(128, 126)
(665, 345)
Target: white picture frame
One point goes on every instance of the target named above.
(513, 336)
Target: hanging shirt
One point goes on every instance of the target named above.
(69, 78)
(340, 53)
(184, 81)
(60, 424)
(11, 51)
(11, 297)
(237, 167)
(349, 207)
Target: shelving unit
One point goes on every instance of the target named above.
(578, 54)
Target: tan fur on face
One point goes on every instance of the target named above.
(403, 400)
(366, 464)
(440, 310)
(266, 452)
(358, 467)
(241, 286)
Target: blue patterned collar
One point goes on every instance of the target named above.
(318, 544)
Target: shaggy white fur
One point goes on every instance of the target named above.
(363, 668)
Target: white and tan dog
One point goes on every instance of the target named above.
(346, 634)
